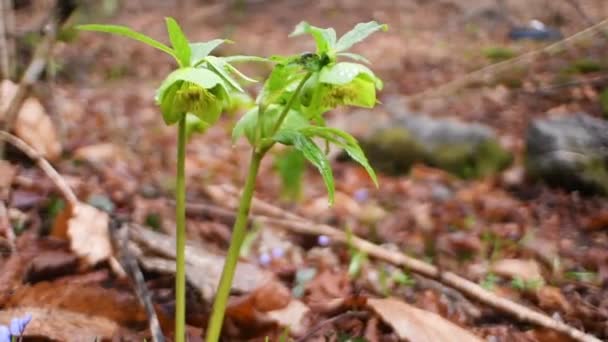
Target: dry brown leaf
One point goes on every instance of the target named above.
(291, 316)
(88, 231)
(62, 325)
(33, 124)
(524, 269)
(98, 153)
(416, 325)
(88, 299)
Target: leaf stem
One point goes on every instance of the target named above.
(293, 97)
(180, 219)
(238, 236)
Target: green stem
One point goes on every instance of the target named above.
(290, 103)
(238, 235)
(180, 219)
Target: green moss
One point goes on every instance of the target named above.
(392, 150)
(467, 161)
(498, 53)
(584, 66)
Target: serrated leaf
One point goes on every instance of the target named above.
(354, 56)
(358, 34)
(171, 113)
(129, 33)
(203, 49)
(344, 140)
(220, 66)
(312, 153)
(324, 38)
(281, 78)
(180, 43)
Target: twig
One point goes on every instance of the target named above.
(6, 45)
(497, 67)
(130, 264)
(48, 169)
(321, 325)
(300, 225)
(37, 65)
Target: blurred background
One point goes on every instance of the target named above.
(490, 140)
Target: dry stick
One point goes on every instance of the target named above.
(300, 225)
(4, 40)
(130, 264)
(495, 68)
(43, 164)
(30, 76)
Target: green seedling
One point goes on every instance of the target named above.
(289, 111)
(521, 284)
(193, 96)
(490, 281)
(298, 92)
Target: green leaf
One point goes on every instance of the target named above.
(194, 125)
(324, 38)
(282, 77)
(179, 41)
(236, 71)
(243, 59)
(247, 125)
(357, 261)
(345, 141)
(203, 49)
(345, 72)
(357, 34)
(354, 57)
(171, 113)
(129, 33)
(290, 166)
(202, 77)
(312, 153)
(220, 67)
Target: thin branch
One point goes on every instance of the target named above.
(492, 69)
(130, 264)
(48, 169)
(300, 225)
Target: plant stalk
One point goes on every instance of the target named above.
(180, 219)
(238, 236)
(283, 114)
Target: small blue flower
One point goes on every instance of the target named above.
(5, 335)
(265, 259)
(18, 324)
(277, 253)
(323, 240)
(361, 195)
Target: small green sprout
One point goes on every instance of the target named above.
(193, 96)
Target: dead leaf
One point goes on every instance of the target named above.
(413, 324)
(103, 153)
(551, 298)
(513, 268)
(291, 316)
(62, 325)
(92, 300)
(203, 268)
(88, 231)
(271, 296)
(33, 124)
(50, 264)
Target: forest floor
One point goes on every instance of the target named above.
(544, 247)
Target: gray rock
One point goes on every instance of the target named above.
(571, 152)
(467, 150)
